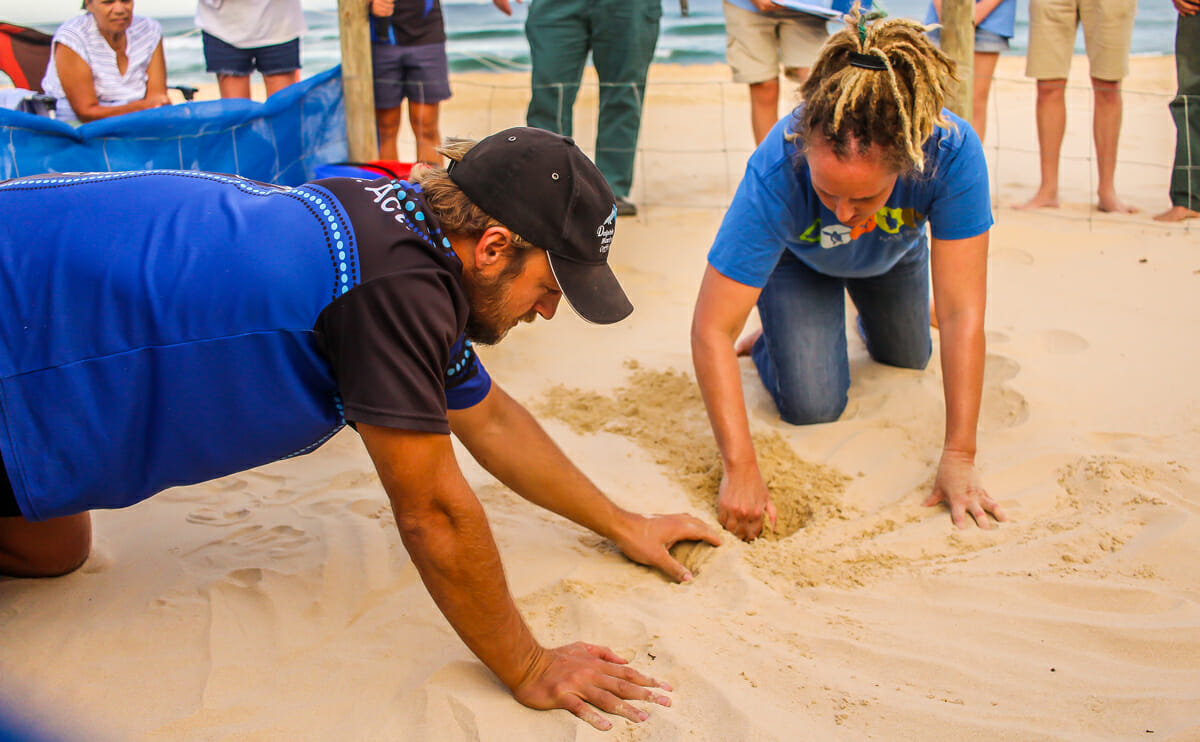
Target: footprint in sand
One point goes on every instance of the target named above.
(217, 516)
(276, 541)
(995, 337)
(1002, 407)
(1063, 342)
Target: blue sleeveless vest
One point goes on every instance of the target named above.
(156, 330)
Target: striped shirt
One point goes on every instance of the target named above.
(81, 35)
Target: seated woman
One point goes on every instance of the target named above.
(106, 62)
(868, 187)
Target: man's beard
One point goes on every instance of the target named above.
(490, 319)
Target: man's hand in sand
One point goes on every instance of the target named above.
(742, 502)
(582, 678)
(646, 540)
(959, 485)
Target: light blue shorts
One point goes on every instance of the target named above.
(985, 41)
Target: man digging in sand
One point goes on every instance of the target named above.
(166, 328)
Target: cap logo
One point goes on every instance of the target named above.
(606, 231)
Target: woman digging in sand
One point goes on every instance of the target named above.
(836, 199)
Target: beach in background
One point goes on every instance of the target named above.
(481, 38)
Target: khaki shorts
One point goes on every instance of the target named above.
(1107, 36)
(756, 43)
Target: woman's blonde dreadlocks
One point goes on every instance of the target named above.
(894, 103)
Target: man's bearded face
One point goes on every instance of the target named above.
(492, 315)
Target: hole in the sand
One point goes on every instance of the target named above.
(662, 412)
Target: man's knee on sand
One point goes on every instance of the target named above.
(49, 548)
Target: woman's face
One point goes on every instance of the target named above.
(112, 16)
(853, 187)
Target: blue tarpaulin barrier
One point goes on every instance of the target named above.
(281, 141)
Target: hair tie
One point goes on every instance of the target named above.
(867, 61)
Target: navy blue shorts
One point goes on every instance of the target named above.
(419, 73)
(226, 59)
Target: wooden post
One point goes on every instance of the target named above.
(958, 41)
(358, 86)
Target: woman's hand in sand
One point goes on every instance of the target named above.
(742, 502)
(958, 484)
(582, 678)
(646, 539)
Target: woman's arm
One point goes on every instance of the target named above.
(960, 293)
(80, 87)
(156, 79)
(721, 311)
(983, 8)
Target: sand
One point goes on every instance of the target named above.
(279, 604)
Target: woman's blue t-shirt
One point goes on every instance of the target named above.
(776, 209)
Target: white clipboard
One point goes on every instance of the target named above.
(820, 11)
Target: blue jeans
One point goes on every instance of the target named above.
(801, 355)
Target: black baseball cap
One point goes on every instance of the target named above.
(541, 186)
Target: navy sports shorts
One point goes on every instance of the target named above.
(419, 73)
(226, 59)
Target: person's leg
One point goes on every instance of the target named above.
(800, 41)
(1108, 36)
(1106, 132)
(893, 312)
(752, 53)
(387, 68)
(801, 353)
(557, 31)
(764, 108)
(624, 34)
(387, 126)
(279, 65)
(233, 86)
(423, 117)
(46, 548)
(427, 84)
(231, 65)
(1185, 110)
(985, 68)
(1051, 115)
(1052, 28)
(275, 83)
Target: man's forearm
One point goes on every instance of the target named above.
(510, 443)
(454, 552)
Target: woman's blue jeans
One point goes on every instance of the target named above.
(801, 355)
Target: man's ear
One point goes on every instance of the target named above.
(493, 249)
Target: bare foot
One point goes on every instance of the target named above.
(1110, 204)
(1177, 214)
(1043, 199)
(743, 346)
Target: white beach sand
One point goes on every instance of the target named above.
(279, 604)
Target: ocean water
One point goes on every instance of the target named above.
(481, 38)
